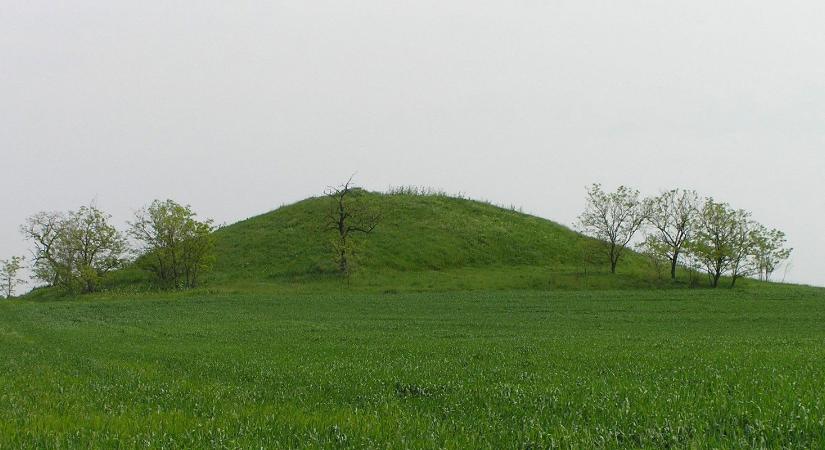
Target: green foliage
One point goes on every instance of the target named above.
(672, 216)
(613, 218)
(609, 369)
(728, 241)
(713, 245)
(9, 275)
(75, 250)
(769, 251)
(426, 241)
(177, 248)
(658, 253)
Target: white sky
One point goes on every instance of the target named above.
(240, 106)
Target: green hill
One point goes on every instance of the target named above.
(423, 242)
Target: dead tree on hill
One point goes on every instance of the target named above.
(349, 214)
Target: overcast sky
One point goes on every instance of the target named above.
(237, 107)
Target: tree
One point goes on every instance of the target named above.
(9, 270)
(614, 218)
(348, 215)
(769, 251)
(92, 247)
(177, 247)
(729, 241)
(75, 250)
(43, 230)
(742, 246)
(672, 215)
(720, 239)
(657, 254)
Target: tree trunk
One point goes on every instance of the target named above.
(716, 277)
(673, 263)
(614, 258)
(343, 265)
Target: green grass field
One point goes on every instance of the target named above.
(517, 369)
(464, 326)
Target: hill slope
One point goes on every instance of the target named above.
(423, 243)
(433, 236)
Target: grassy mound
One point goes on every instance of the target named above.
(424, 242)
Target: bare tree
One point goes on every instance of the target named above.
(614, 218)
(9, 270)
(349, 214)
(672, 215)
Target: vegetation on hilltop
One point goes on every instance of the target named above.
(414, 239)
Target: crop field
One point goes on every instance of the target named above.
(521, 369)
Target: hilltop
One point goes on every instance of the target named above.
(423, 242)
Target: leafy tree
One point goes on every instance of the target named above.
(9, 270)
(729, 241)
(769, 251)
(75, 250)
(44, 230)
(613, 218)
(348, 215)
(742, 246)
(672, 215)
(178, 248)
(722, 241)
(657, 254)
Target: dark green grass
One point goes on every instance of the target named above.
(669, 368)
